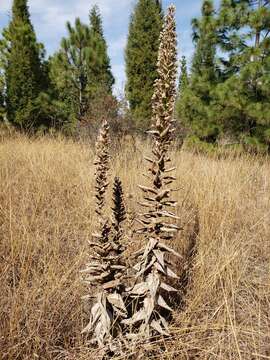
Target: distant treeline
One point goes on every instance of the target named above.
(224, 95)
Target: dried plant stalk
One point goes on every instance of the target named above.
(158, 220)
(119, 209)
(106, 267)
(101, 168)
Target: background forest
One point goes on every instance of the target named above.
(223, 95)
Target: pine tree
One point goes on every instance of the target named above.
(70, 67)
(4, 51)
(100, 74)
(230, 20)
(24, 76)
(204, 37)
(194, 110)
(242, 101)
(96, 21)
(183, 80)
(80, 72)
(2, 86)
(141, 58)
(183, 87)
(1, 97)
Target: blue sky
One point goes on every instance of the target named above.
(49, 18)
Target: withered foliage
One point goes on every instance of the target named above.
(158, 219)
(106, 268)
(101, 168)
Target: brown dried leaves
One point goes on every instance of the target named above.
(158, 222)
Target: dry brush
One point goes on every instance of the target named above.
(106, 268)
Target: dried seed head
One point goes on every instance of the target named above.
(102, 167)
(157, 220)
(157, 196)
(163, 101)
(107, 266)
(119, 210)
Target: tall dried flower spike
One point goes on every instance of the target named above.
(106, 267)
(119, 210)
(157, 221)
(102, 167)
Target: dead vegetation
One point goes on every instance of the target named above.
(153, 266)
(47, 217)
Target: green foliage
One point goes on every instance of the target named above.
(100, 74)
(204, 37)
(196, 145)
(183, 80)
(4, 51)
(22, 57)
(182, 88)
(70, 67)
(141, 58)
(242, 101)
(228, 93)
(223, 98)
(80, 71)
(193, 106)
(2, 107)
(243, 27)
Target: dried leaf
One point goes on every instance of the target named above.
(144, 268)
(148, 189)
(138, 316)
(160, 268)
(111, 284)
(171, 273)
(153, 282)
(149, 306)
(155, 324)
(167, 248)
(168, 287)
(160, 257)
(162, 303)
(149, 247)
(163, 194)
(149, 159)
(169, 230)
(118, 304)
(140, 289)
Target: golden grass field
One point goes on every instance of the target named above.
(47, 216)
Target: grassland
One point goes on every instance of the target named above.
(47, 216)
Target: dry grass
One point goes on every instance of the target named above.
(47, 216)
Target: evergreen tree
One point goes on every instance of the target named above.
(1, 97)
(183, 80)
(194, 105)
(183, 87)
(141, 58)
(24, 72)
(96, 21)
(232, 15)
(100, 74)
(2, 85)
(242, 101)
(204, 37)
(71, 66)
